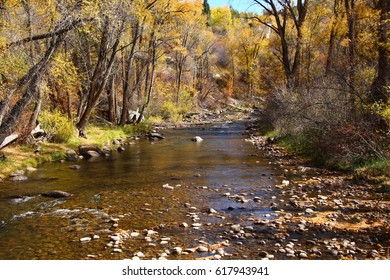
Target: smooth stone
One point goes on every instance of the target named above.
(196, 225)
(92, 154)
(115, 238)
(57, 194)
(202, 249)
(177, 250)
(184, 225)
(309, 211)
(197, 139)
(140, 255)
(303, 255)
(31, 169)
(285, 183)
(85, 239)
(117, 250)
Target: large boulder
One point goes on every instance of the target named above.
(90, 151)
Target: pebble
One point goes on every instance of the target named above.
(117, 250)
(309, 211)
(151, 232)
(134, 234)
(285, 183)
(85, 239)
(302, 255)
(140, 255)
(195, 225)
(115, 238)
(184, 225)
(202, 249)
(177, 250)
(168, 187)
(236, 228)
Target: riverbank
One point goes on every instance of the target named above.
(27, 157)
(317, 200)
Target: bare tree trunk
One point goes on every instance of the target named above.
(96, 89)
(128, 76)
(380, 88)
(351, 20)
(111, 95)
(37, 110)
(149, 80)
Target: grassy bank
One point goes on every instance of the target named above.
(22, 156)
(374, 170)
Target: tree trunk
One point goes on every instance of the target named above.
(33, 79)
(128, 76)
(37, 110)
(380, 88)
(111, 96)
(351, 20)
(96, 89)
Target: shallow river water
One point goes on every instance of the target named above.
(178, 199)
(125, 193)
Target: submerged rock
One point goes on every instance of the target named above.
(57, 194)
(197, 139)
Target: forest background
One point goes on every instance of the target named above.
(317, 69)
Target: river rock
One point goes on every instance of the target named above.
(309, 211)
(154, 136)
(31, 169)
(71, 154)
(57, 194)
(90, 151)
(18, 178)
(85, 239)
(177, 250)
(75, 167)
(202, 249)
(197, 139)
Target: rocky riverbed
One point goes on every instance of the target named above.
(227, 197)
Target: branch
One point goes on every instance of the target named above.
(47, 35)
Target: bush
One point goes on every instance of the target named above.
(58, 126)
(170, 112)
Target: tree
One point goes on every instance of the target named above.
(380, 87)
(280, 12)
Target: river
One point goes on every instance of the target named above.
(167, 199)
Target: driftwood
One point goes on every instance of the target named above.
(9, 140)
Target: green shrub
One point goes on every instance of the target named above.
(171, 112)
(57, 125)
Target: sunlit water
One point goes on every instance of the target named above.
(129, 186)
